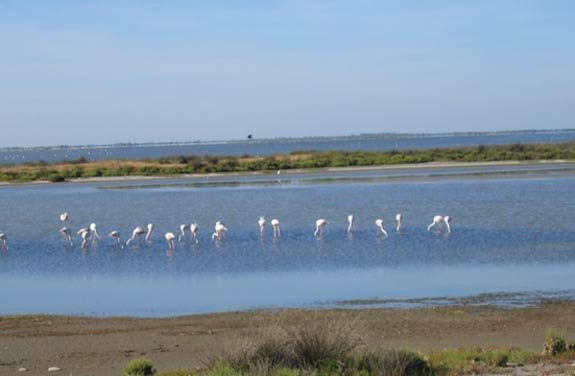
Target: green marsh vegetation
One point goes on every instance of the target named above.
(322, 347)
(178, 165)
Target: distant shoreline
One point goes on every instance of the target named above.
(377, 136)
(328, 170)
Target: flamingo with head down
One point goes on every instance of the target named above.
(319, 225)
(137, 232)
(379, 225)
(438, 220)
(170, 240)
(276, 226)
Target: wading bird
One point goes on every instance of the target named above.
(116, 236)
(276, 226)
(65, 231)
(94, 232)
(183, 229)
(379, 225)
(85, 234)
(350, 220)
(219, 231)
(149, 233)
(438, 220)
(137, 232)
(170, 240)
(64, 217)
(194, 231)
(398, 218)
(319, 225)
(4, 241)
(262, 224)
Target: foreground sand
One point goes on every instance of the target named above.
(100, 346)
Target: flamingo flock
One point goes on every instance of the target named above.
(140, 235)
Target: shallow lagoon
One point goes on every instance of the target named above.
(513, 231)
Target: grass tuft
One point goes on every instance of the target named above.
(139, 367)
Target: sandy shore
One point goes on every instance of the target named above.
(100, 346)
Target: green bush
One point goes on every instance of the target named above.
(554, 342)
(393, 363)
(139, 367)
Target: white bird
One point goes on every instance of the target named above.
(276, 226)
(183, 229)
(116, 236)
(170, 240)
(398, 218)
(319, 224)
(262, 224)
(65, 231)
(350, 220)
(194, 231)
(219, 231)
(438, 220)
(64, 217)
(379, 224)
(4, 240)
(138, 231)
(149, 233)
(85, 235)
(94, 231)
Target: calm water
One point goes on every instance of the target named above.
(268, 147)
(512, 232)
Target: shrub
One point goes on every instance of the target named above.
(318, 344)
(56, 178)
(393, 363)
(319, 341)
(139, 367)
(554, 342)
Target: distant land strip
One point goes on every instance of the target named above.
(193, 164)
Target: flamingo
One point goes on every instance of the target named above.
(65, 231)
(379, 224)
(64, 217)
(94, 232)
(82, 230)
(4, 240)
(437, 220)
(170, 240)
(350, 221)
(276, 226)
(149, 233)
(219, 231)
(194, 231)
(319, 224)
(116, 236)
(138, 231)
(398, 218)
(262, 224)
(183, 229)
(85, 234)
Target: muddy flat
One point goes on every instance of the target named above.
(101, 346)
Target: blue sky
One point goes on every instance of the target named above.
(77, 72)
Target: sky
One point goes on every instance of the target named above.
(108, 71)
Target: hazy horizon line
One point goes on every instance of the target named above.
(294, 138)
